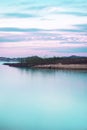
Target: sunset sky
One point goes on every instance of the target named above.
(43, 27)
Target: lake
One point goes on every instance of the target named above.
(35, 99)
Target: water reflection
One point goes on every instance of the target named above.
(42, 99)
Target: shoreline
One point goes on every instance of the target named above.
(63, 66)
(68, 63)
(50, 66)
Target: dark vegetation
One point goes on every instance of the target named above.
(32, 61)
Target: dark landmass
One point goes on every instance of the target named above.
(72, 62)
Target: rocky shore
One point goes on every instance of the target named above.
(51, 66)
(63, 66)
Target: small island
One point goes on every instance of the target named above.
(72, 62)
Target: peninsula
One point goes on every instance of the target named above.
(72, 62)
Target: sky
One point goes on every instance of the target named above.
(43, 28)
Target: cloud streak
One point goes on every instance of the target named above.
(43, 24)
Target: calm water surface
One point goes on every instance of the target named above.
(42, 99)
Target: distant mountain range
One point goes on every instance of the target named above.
(8, 59)
(36, 57)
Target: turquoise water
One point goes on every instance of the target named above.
(42, 99)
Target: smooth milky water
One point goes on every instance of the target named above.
(42, 99)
